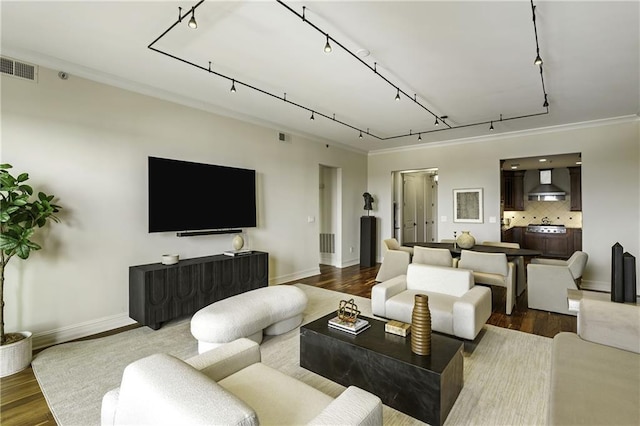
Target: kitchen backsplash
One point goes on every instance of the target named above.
(557, 211)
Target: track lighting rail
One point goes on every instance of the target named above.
(438, 119)
(373, 69)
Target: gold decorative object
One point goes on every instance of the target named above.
(348, 310)
(421, 326)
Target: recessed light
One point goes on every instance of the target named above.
(578, 162)
(363, 53)
(542, 160)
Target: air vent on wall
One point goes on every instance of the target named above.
(18, 69)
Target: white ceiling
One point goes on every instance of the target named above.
(471, 61)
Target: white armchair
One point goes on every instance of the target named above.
(457, 306)
(228, 385)
(549, 279)
(491, 269)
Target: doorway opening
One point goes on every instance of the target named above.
(329, 216)
(415, 205)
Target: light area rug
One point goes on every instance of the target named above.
(506, 372)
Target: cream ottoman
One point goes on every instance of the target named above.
(270, 310)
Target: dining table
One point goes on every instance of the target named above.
(456, 250)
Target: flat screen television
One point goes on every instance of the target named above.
(188, 196)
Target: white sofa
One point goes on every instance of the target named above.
(595, 374)
(228, 386)
(457, 306)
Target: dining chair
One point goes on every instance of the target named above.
(394, 263)
(518, 261)
(393, 244)
(433, 256)
(491, 269)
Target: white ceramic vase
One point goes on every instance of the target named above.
(466, 240)
(16, 356)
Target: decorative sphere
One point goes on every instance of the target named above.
(238, 242)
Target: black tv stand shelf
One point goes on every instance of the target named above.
(159, 293)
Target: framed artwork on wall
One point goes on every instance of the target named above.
(467, 205)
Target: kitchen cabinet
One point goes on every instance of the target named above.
(575, 178)
(512, 186)
(514, 235)
(577, 239)
(554, 245)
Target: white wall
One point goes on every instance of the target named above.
(87, 143)
(610, 181)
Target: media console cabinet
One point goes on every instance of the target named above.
(159, 293)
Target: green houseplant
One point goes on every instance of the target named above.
(20, 215)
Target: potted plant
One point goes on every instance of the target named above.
(20, 216)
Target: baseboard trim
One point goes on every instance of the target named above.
(89, 328)
(295, 276)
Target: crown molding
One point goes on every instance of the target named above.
(514, 134)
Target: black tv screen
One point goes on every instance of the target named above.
(188, 196)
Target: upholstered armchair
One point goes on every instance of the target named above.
(549, 279)
(433, 256)
(458, 307)
(228, 385)
(491, 269)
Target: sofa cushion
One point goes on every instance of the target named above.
(274, 407)
(593, 384)
(400, 307)
(439, 279)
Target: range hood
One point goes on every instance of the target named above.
(546, 191)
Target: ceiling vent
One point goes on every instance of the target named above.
(18, 69)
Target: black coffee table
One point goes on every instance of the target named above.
(424, 387)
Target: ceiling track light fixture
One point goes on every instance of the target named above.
(538, 60)
(192, 22)
(313, 117)
(374, 69)
(327, 47)
(233, 86)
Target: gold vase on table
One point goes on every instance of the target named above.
(421, 326)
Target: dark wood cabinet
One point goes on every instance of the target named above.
(512, 186)
(514, 235)
(159, 293)
(554, 245)
(577, 239)
(575, 178)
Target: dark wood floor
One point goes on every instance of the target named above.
(22, 402)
